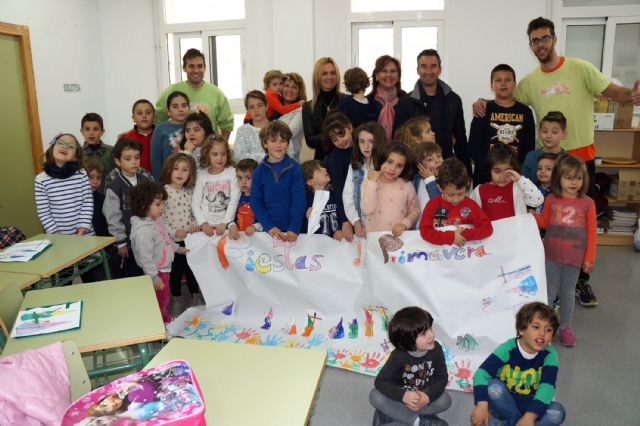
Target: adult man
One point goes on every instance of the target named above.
(204, 97)
(567, 85)
(434, 98)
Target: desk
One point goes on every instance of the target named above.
(115, 313)
(66, 251)
(10, 296)
(248, 385)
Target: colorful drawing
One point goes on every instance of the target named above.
(311, 322)
(353, 329)
(487, 303)
(467, 343)
(389, 243)
(368, 322)
(337, 331)
(228, 310)
(267, 320)
(36, 321)
(383, 314)
(463, 374)
(222, 258)
(290, 328)
(516, 273)
(385, 346)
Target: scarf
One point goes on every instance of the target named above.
(388, 100)
(67, 170)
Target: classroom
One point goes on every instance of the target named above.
(71, 64)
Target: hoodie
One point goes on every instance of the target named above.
(152, 247)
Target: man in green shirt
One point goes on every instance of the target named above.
(204, 97)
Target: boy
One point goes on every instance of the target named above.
(245, 218)
(277, 187)
(92, 129)
(517, 381)
(357, 106)
(453, 207)
(117, 203)
(142, 114)
(317, 178)
(428, 158)
(553, 130)
(507, 121)
(272, 85)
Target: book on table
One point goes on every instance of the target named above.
(48, 319)
(25, 251)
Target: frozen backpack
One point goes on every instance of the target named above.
(164, 395)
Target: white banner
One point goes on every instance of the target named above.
(338, 295)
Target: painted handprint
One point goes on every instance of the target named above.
(272, 340)
(463, 374)
(245, 334)
(316, 340)
(372, 361)
(292, 343)
(356, 356)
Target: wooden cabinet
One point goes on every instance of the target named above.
(624, 143)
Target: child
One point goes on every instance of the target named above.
(152, 247)
(507, 194)
(277, 187)
(569, 218)
(553, 130)
(245, 218)
(117, 204)
(428, 158)
(317, 178)
(339, 145)
(197, 128)
(371, 139)
(517, 381)
(273, 82)
(507, 121)
(410, 387)
(92, 129)
(93, 167)
(389, 201)
(63, 193)
(357, 107)
(247, 144)
(216, 193)
(179, 177)
(415, 131)
(168, 134)
(452, 207)
(142, 114)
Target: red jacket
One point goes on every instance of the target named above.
(439, 213)
(145, 144)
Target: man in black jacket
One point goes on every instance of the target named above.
(434, 98)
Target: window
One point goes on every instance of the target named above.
(585, 40)
(368, 6)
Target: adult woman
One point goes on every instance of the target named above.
(326, 92)
(294, 90)
(386, 90)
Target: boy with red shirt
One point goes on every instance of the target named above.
(453, 207)
(142, 114)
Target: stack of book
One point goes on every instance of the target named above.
(623, 220)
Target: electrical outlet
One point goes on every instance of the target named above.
(71, 87)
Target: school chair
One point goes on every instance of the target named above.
(10, 301)
(4, 335)
(78, 377)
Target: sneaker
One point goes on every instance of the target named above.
(379, 418)
(567, 338)
(432, 420)
(584, 293)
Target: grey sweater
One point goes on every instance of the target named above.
(152, 247)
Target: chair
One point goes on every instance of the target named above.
(78, 377)
(4, 335)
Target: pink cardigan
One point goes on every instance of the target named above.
(385, 204)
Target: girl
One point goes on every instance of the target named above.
(389, 201)
(179, 177)
(294, 90)
(569, 218)
(152, 247)
(326, 93)
(247, 143)
(508, 193)
(216, 193)
(400, 396)
(370, 138)
(197, 128)
(386, 90)
(168, 134)
(415, 131)
(63, 193)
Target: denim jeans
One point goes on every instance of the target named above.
(503, 406)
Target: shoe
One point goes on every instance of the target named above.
(567, 338)
(197, 300)
(556, 306)
(584, 293)
(432, 420)
(379, 418)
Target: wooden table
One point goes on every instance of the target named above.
(247, 384)
(115, 314)
(10, 296)
(66, 251)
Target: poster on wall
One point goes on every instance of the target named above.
(339, 296)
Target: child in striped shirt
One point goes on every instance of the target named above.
(63, 194)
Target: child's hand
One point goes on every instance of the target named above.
(220, 228)
(338, 235)
(207, 229)
(276, 233)
(193, 228)
(158, 284)
(398, 229)
(181, 234)
(360, 230)
(458, 239)
(182, 250)
(234, 232)
(309, 210)
(81, 231)
(290, 236)
(424, 171)
(513, 175)
(249, 230)
(123, 251)
(373, 175)
(347, 231)
(189, 146)
(587, 267)
(424, 399)
(410, 399)
(480, 414)
(529, 419)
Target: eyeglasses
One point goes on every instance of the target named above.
(544, 39)
(65, 144)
